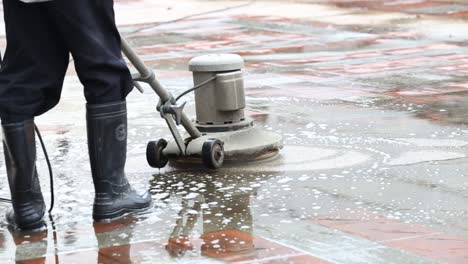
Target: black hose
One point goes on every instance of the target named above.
(51, 175)
(3, 200)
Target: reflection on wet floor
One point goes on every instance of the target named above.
(370, 97)
(226, 218)
(239, 218)
(212, 221)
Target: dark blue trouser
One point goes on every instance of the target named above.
(40, 37)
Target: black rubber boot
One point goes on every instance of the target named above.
(107, 144)
(19, 145)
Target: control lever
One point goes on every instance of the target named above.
(175, 110)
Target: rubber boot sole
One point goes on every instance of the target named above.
(120, 213)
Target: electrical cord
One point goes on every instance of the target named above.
(194, 88)
(191, 16)
(51, 174)
(3, 200)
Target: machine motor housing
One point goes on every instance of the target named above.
(220, 103)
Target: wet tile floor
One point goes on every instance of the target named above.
(370, 96)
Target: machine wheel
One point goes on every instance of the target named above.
(213, 153)
(154, 153)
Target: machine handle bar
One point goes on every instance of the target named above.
(147, 75)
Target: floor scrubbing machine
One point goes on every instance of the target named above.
(221, 132)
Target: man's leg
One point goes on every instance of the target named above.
(34, 65)
(30, 84)
(91, 34)
(88, 27)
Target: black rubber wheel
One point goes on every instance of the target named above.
(154, 153)
(213, 153)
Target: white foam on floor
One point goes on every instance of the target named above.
(428, 142)
(299, 158)
(412, 157)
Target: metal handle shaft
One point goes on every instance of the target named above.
(148, 76)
